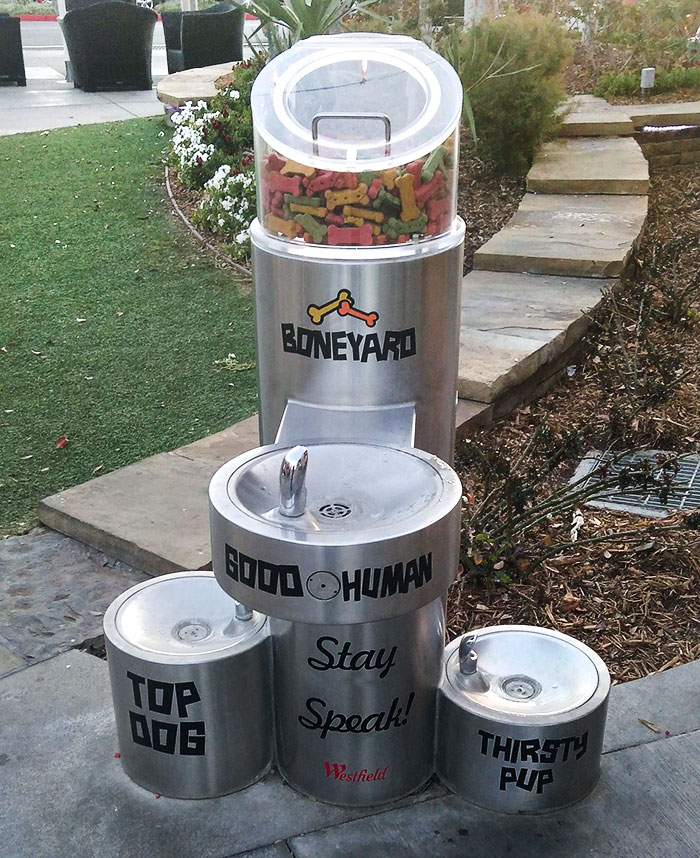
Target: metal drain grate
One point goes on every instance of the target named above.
(684, 492)
(335, 510)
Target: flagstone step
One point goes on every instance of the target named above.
(589, 165)
(588, 116)
(679, 113)
(516, 325)
(572, 235)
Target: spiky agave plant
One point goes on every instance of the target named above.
(288, 21)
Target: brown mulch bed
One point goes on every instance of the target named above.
(590, 62)
(635, 600)
(678, 95)
(486, 200)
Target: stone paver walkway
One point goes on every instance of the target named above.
(566, 234)
(53, 594)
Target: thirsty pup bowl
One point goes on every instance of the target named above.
(521, 717)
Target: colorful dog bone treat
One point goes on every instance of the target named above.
(347, 197)
(324, 182)
(361, 235)
(367, 214)
(291, 167)
(434, 161)
(389, 177)
(387, 201)
(437, 208)
(394, 228)
(429, 189)
(302, 200)
(333, 218)
(414, 168)
(368, 176)
(409, 209)
(374, 188)
(381, 239)
(277, 199)
(273, 162)
(349, 220)
(316, 211)
(376, 229)
(273, 223)
(286, 184)
(318, 314)
(315, 229)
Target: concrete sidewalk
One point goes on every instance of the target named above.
(49, 101)
(63, 794)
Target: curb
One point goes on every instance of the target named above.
(198, 235)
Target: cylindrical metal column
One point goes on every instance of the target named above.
(190, 674)
(402, 350)
(355, 705)
(521, 717)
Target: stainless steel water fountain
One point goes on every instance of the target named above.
(344, 527)
(521, 716)
(350, 548)
(349, 539)
(191, 686)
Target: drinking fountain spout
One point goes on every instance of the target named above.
(293, 482)
(469, 673)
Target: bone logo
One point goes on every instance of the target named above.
(344, 305)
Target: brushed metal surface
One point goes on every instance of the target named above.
(355, 705)
(501, 749)
(381, 525)
(191, 687)
(408, 355)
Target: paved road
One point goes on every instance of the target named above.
(47, 34)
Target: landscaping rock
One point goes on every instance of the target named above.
(678, 113)
(53, 594)
(191, 85)
(588, 116)
(514, 323)
(153, 514)
(570, 235)
(589, 165)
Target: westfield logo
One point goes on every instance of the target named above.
(339, 772)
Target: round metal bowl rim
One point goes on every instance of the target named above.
(389, 253)
(221, 502)
(116, 639)
(515, 718)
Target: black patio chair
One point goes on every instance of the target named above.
(109, 45)
(206, 38)
(11, 58)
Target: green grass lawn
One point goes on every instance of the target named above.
(111, 317)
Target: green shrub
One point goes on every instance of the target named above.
(209, 135)
(654, 31)
(511, 71)
(627, 83)
(27, 7)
